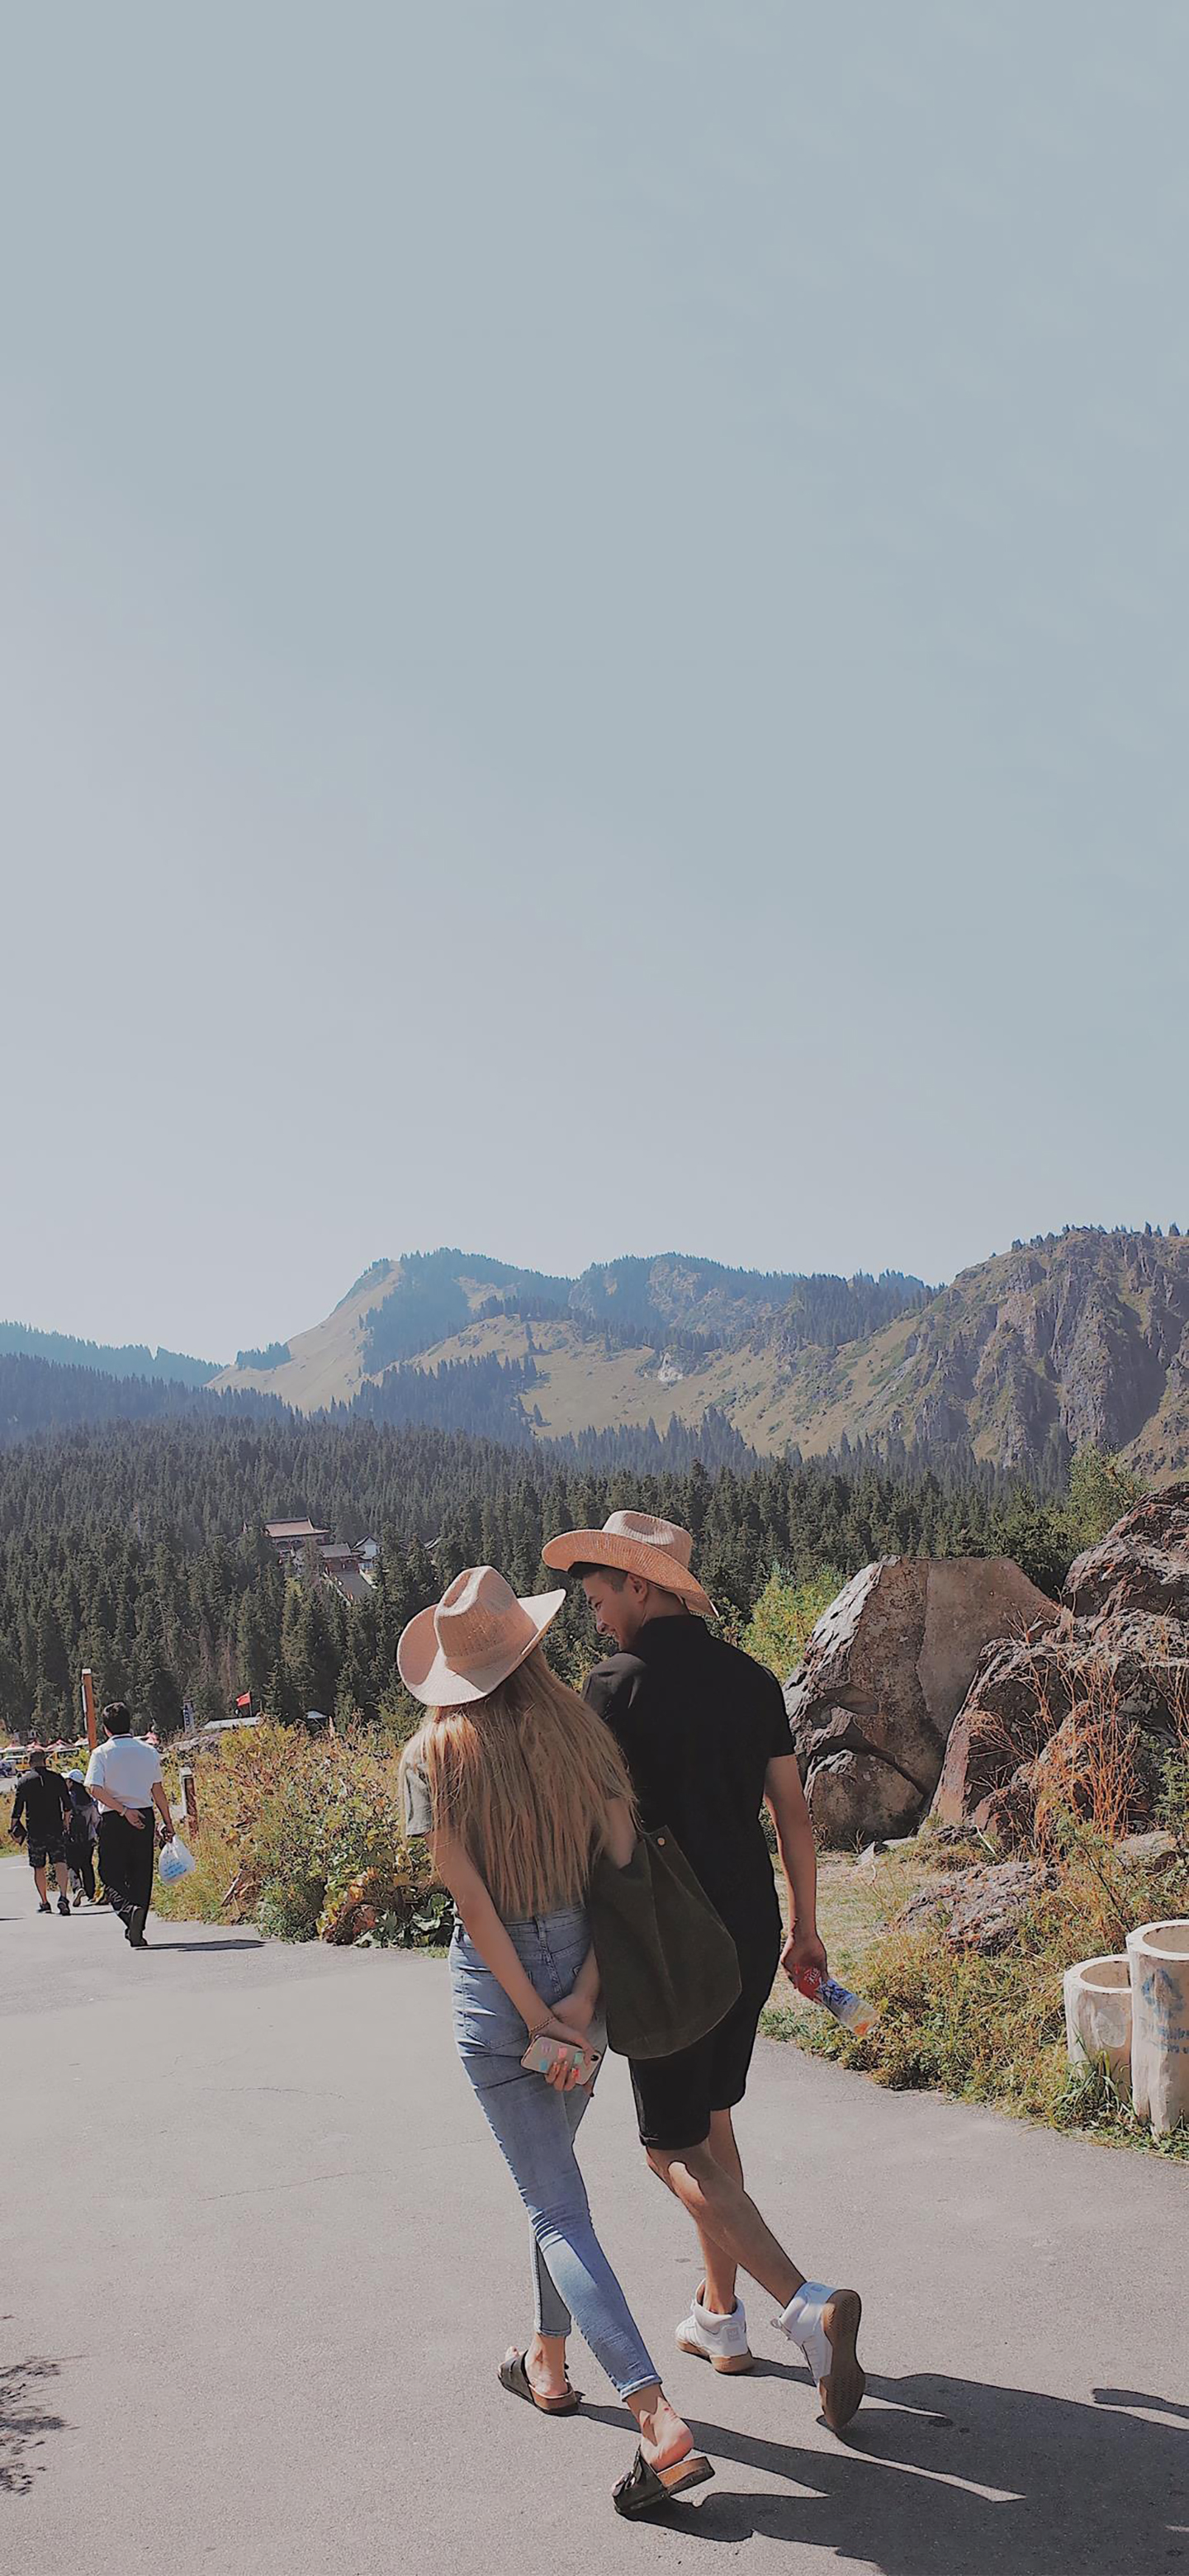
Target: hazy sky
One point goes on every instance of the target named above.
(593, 639)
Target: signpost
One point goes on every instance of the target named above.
(89, 1708)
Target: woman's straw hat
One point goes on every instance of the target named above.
(635, 1543)
(475, 1636)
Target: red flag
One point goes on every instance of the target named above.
(244, 1700)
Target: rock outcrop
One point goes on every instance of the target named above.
(885, 1672)
(1140, 1569)
(979, 1909)
(1072, 1716)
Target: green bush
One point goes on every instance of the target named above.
(304, 1834)
(785, 1616)
(288, 1910)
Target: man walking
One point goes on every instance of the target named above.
(704, 1733)
(40, 1817)
(124, 1778)
(80, 1838)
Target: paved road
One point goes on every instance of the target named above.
(259, 2260)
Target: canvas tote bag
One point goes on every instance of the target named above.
(667, 1962)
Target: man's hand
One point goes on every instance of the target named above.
(803, 1950)
(131, 1817)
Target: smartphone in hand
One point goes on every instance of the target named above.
(543, 2053)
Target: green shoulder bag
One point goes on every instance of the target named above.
(667, 1963)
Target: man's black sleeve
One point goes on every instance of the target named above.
(780, 1733)
(610, 1688)
(18, 1806)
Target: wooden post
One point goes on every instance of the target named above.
(89, 1708)
(190, 1800)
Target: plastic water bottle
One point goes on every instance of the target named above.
(849, 2009)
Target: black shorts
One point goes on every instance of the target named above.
(676, 2095)
(40, 1853)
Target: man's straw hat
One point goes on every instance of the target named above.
(475, 1636)
(635, 1543)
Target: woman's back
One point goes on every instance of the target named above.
(525, 1780)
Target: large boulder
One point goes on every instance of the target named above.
(1097, 1767)
(1028, 1695)
(885, 1672)
(1070, 1715)
(1141, 1565)
(1020, 1693)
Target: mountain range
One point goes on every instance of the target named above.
(1079, 1339)
(1072, 1340)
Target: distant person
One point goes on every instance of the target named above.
(704, 1734)
(519, 1790)
(124, 1778)
(40, 1817)
(80, 1838)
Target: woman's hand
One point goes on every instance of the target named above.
(576, 2011)
(562, 2078)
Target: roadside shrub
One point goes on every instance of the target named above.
(303, 1834)
(991, 2028)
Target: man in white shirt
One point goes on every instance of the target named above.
(124, 1778)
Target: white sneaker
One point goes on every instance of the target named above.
(825, 2323)
(722, 2341)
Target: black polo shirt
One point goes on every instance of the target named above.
(697, 1723)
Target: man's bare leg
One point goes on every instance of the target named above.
(725, 2216)
(39, 1881)
(718, 2271)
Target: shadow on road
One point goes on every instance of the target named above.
(204, 1949)
(24, 2423)
(949, 2477)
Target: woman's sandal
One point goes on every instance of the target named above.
(514, 2377)
(644, 2488)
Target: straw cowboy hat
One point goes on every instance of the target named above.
(475, 1636)
(634, 1543)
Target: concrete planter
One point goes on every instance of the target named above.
(1158, 1954)
(1098, 2013)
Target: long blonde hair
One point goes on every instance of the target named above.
(523, 1780)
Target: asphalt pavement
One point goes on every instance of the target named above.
(260, 2260)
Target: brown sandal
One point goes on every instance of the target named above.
(514, 2377)
(645, 2488)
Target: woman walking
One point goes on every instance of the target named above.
(520, 1789)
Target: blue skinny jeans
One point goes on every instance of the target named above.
(535, 2129)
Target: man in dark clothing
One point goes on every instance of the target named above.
(81, 1837)
(41, 1818)
(705, 1780)
(704, 1733)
